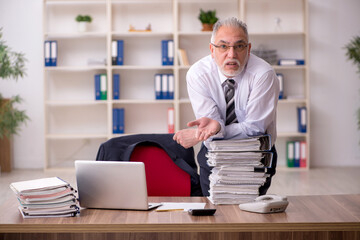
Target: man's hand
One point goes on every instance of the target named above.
(206, 127)
(186, 137)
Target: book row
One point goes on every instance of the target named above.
(296, 154)
(50, 52)
(101, 86)
(119, 120)
(117, 52)
(164, 86)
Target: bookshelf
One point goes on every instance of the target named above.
(76, 124)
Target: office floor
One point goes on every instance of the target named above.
(316, 181)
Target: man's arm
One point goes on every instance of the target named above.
(206, 128)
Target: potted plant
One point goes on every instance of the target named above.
(208, 19)
(12, 66)
(353, 53)
(83, 22)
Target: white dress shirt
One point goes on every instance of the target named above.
(256, 97)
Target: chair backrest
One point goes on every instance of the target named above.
(163, 176)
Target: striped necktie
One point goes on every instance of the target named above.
(230, 103)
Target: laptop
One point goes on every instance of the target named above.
(112, 185)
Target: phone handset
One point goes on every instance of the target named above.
(266, 204)
(271, 197)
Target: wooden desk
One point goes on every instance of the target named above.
(307, 217)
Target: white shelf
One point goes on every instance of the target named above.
(142, 101)
(65, 35)
(133, 67)
(69, 87)
(75, 68)
(76, 136)
(75, 103)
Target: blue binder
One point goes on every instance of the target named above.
(170, 52)
(120, 52)
(53, 53)
(281, 85)
(97, 87)
(171, 85)
(47, 52)
(121, 122)
(157, 84)
(164, 52)
(296, 154)
(302, 119)
(164, 86)
(116, 86)
(115, 122)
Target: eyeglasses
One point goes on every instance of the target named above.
(224, 48)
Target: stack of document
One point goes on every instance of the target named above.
(46, 197)
(239, 168)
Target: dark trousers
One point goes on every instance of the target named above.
(205, 171)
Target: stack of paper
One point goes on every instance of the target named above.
(46, 197)
(239, 169)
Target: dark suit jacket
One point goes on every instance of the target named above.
(120, 149)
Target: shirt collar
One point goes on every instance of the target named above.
(223, 78)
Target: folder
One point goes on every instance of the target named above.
(291, 62)
(303, 154)
(120, 52)
(157, 83)
(53, 53)
(296, 154)
(171, 83)
(281, 85)
(290, 154)
(121, 116)
(116, 86)
(97, 87)
(47, 46)
(302, 119)
(171, 120)
(114, 52)
(164, 86)
(164, 52)
(103, 87)
(170, 52)
(115, 121)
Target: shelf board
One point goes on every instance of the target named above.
(75, 136)
(75, 103)
(291, 169)
(50, 2)
(291, 134)
(142, 34)
(182, 67)
(276, 34)
(134, 67)
(300, 67)
(70, 35)
(76, 68)
(195, 34)
(292, 101)
(143, 101)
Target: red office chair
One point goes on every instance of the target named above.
(163, 176)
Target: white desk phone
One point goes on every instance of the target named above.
(266, 204)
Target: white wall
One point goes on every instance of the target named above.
(21, 21)
(335, 85)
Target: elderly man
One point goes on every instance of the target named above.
(233, 94)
